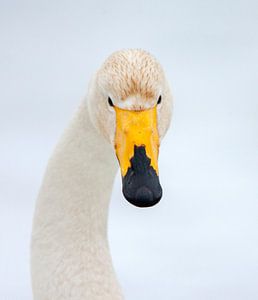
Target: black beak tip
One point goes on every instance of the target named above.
(144, 197)
(141, 185)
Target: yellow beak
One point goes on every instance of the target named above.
(137, 148)
(136, 128)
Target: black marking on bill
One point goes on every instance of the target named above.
(141, 186)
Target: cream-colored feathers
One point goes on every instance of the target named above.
(69, 251)
(134, 80)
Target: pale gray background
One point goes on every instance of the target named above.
(201, 241)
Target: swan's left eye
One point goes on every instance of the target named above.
(110, 102)
(159, 100)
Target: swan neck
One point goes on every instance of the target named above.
(87, 166)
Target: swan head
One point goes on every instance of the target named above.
(130, 104)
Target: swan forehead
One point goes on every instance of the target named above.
(136, 102)
(132, 74)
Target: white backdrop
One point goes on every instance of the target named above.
(201, 241)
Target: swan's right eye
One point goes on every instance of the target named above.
(110, 102)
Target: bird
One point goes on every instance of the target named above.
(119, 124)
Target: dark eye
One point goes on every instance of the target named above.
(159, 100)
(110, 102)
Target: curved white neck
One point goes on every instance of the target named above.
(70, 255)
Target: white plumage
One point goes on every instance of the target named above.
(70, 256)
